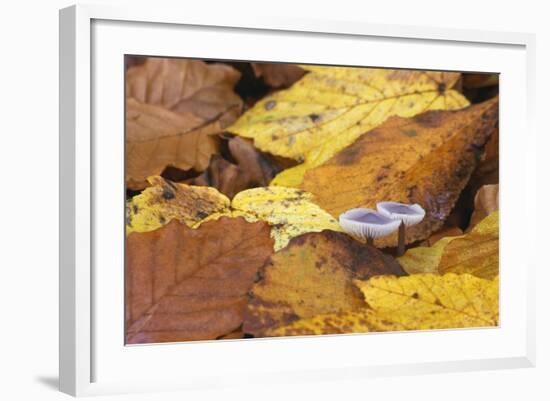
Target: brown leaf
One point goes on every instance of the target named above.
(311, 276)
(173, 109)
(445, 231)
(485, 203)
(191, 284)
(187, 86)
(278, 75)
(253, 169)
(427, 160)
(156, 138)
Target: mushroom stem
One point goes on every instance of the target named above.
(370, 241)
(401, 240)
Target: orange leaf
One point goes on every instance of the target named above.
(191, 284)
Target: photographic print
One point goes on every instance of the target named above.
(277, 200)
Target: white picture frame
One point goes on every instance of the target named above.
(93, 359)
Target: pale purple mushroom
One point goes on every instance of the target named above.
(408, 215)
(367, 224)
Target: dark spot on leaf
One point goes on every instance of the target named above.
(201, 214)
(438, 302)
(441, 88)
(135, 208)
(430, 119)
(162, 219)
(314, 117)
(167, 193)
(274, 137)
(415, 295)
(270, 104)
(349, 156)
(410, 133)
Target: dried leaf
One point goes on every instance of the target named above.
(475, 253)
(442, 233)
(187, 87)
(157, 138)
(289, 211)
(429, 301)
(311, 276)
(184, 284)
(278, 75)
(330, 107)
(173, 109)
(485, 203)
(427, 160)
(164, 201)
(418, 302)
(253, 169)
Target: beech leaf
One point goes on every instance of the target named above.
(173, 110)
(289, 211)
(330, 107)
(184, 284)
(427, 160)
(476, 253)
(311, 276)
(417, 302)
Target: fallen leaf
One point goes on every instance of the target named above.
(184, 284)
(188, 87)
(443, 232)
(485, 203)
(429, 301)
(278, 75)
(476, 252)
(427, 160)
(330, 107)
(164, 201)
(289, 211)
(311, 276)
(173, 109)
(157, 138)
(418, 302)
(479, 80)
(346, 322)
(252, 169)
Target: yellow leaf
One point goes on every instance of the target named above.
(313, 275)
(346, 322)
(289, 211)
(330, 107)
(427, 159)
(164, 201)
(474, 253)
(429, 301)
(417, 302)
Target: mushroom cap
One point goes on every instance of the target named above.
(367, 223)
(408, 214)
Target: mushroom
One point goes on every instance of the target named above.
(408, 215)
(367, 224)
